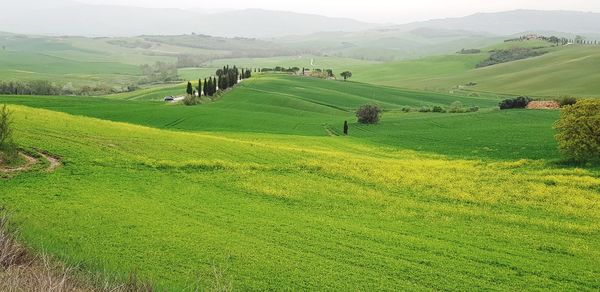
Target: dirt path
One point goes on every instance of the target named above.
(31, 161)
(53, 162)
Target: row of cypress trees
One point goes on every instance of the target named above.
(225, 78)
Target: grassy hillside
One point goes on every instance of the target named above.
(116, 61)
(391, 44)
(298, 212)
(283, 104)
(562, 71)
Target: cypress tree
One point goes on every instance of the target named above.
(190, 89)
(205, 88)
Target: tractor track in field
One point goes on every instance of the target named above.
(30, 161)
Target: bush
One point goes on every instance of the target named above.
(425, 109)
(470, 51)
(191, 100)
(8, 151)
(456, 107)
(473, 109)
(368, 114)
(579, 130)
(518, 102)
(438, 109)
(407, 109)
(566, 100)
(5, 125)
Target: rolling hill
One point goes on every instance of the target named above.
(258, 188)
(389, 44)
(282, 104)
(568, 70)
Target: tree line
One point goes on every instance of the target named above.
(45, 87)
(224, 78)
(580, 40)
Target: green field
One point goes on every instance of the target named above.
(298, 208)
(282, 104)
(260, 186)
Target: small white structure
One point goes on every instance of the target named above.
(173, 99)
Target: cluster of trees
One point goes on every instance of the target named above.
(297, 70)
(294, 70)
(44, 87)
(557, 40)
(319, 73)
(513, 54)
(517, 102)
(228, 77)
(225, 78)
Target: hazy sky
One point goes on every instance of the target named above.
(398, 11)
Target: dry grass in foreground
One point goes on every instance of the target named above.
(22, 270)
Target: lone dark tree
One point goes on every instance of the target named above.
(368, 114)
(346, 75)
(579, 130)
(346, 128)
(190, 89)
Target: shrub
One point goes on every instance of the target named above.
(566, 100)
(407, 109)
(425, 109)
(368, 114)
(473, 109)
(438, 109)
(8, 151)
(5, 125)
(456, 107)
(579, 130)
(518, 102)
(470, 51)
(191, 100)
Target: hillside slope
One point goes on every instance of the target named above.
(269, 212)
(565, 71)
(290, 105)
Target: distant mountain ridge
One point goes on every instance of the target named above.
(66, 17)
(517, 21)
